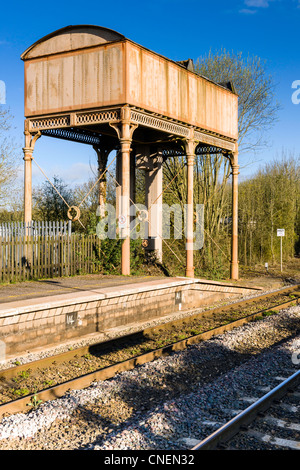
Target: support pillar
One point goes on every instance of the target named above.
(27, 184)
(132, 178)
(119, 184)
(125, 165)
(124, 130)
(190, 157)
(153, 201)
(234, 265)
(28, 152)
(103, 152)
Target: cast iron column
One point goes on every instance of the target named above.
(125, 153)
(124, 130)
(234, 265)
(190, 156)
(28, 151)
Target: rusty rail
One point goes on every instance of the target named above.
(232, 428)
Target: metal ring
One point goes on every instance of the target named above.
(143, 215)
(77, 210)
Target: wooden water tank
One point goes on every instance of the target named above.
(90, 67)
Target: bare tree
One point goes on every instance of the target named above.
(258, 109)
(9, 159)
(258, 106)
(270, 200)
(49, 200)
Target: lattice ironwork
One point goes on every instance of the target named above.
(60, 126)
(97, 117)
(214, 141)
(208, 150)
(49, 123)
(200, 150)
(158, 123)
(172, 153)
(75, 135)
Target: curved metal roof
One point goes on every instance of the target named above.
(90, 35)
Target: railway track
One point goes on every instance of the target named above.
(109, 358)
(254, 424)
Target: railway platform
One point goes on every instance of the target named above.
(48, 312)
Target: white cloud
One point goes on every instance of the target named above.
(257, 3)
(252, 5)
(247, 11)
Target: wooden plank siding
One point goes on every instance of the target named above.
(109, 70)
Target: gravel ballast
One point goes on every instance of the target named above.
(163, 404)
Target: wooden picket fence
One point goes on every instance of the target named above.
(37, 257)
(16, 230)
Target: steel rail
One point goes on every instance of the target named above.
(232, 427)
(57, 391)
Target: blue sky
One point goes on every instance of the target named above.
(174, 28)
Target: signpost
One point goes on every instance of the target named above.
(280, 233)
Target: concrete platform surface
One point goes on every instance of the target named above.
(81, 286)
(62, 294)
(56, 286)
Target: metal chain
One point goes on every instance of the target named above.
(216, 244)
(69, 207)
(51, 183)
(101, 176)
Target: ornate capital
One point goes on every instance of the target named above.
(235, 169)
(234, 157)
(28, 151)
(125, 145)
(190, 146)
(124, 130)
(190, 159)
(30, 140)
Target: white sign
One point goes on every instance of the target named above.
(122, 221)
(280, 232)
